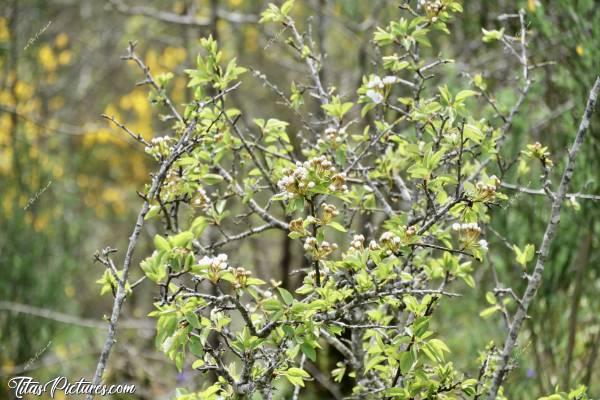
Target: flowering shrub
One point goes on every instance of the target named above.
(410, 157)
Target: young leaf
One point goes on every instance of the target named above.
(465, 94)
(337, 226)
(287, 297)
(161, 243)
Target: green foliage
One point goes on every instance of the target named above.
(381, 293)
(283, 326)
(328, 226)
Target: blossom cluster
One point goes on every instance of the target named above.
(333, 137)
(374, 246)
(201, 199)
(307, 175)
(240, 276)
(469, 233)
(431, 7)
(468, 228)
(172, 186)
(319, 250)
(376, 86)
(179, 186)
(329, 212)
(217, 263)
(391, 242)
(297, 225)
(160, 147)
(537, 150)
(487, 192)
(358, 242)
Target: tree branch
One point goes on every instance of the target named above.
(536, 278)
(187, 20)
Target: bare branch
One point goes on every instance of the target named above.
(188, 20)
(71, 319)
(131, 55)
(541, 192)
(135, 136)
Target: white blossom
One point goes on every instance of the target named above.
(390, 80)
(218, 262)
(375, 83)
(376, 97)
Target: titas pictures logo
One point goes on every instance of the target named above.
(26, 385)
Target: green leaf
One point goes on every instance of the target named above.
(465, 94)
(407, 361)
(524, 256)
(272, 304)
(373, 362)
(489, 296)
(490, 36)
(287, 297)
(296, 376)
(198, 226)
(182, 239)
(445, 93)
(212, 179)
(152, 212)
(472, 132)
(298, 372)
(338, 373)
(396, 392)
(179, 359)
(468, 280)
(295, 235)
(337, 226)
(255, 281)
(309, 351)
(196, 346)
(161, 243)
(336, 108)
(287, 7)
(192, 318)
(209, 393)
(486, 313)
(294, 380)
(439, 345)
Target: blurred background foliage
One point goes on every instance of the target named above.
(68, 179)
